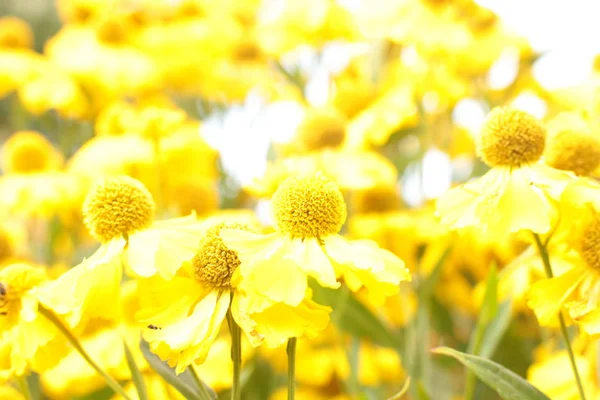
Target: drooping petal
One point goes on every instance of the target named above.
(309, 256)
(275, 324)
(189, 339)
(547, 297)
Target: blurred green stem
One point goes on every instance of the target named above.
(114, 385)
(24, 387)
(543, 250)
(291, 354)
(236, 356)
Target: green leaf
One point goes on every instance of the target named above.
(427, 287)
(402, 391)
(353, 317)
(488, 311)
(496, 330)
(506, 383)
(136, 375)
(184, 382)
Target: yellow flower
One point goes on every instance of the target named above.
(349, 169)
(54, 90)
(119, 212)
(103, 339)
(8, 392)
(15, 34)
(309, 212)
(517, 193)
(572, 145)
(551, 375)
(33, 185)
(183, 331)
(106, 67)
(31, 340)
(578, 288)
(29, 151)
(389, 112)
(320, 129)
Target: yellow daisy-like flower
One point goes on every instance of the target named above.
(182, 331)
(119, 212)
(309, 213)
(33, 185)
(518, 193)
(28, 339)
(572, 145)
(578, 288)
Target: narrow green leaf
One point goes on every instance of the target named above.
(402, 391)
(136, 375)
(489, 307)
(355, 318)
(488, 311)
(506, 383)
(496, 330)
(184, 382)
(427, 287)
(422, 392)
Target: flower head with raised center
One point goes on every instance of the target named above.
(116, 207)
(309, 213)
(29, 152)
(206, 287)
(510, 138)
(572, 150)
(309, 207)
(519, 192)
(321, 129)
(589, 244)
(214, 263)
(576, 287)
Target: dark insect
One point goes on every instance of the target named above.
(153, 327)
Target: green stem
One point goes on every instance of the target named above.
(291, 354)
(543, 250)
(24, 387)
(199, 382)
(114, 385)
(236, 356)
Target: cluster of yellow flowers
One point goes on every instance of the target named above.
(136, 264)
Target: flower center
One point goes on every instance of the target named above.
(26, 152)
(510, 138)
(15, 280)
(574, 151)
(376, 200)
(15, 33)
(321, 129)
(589, 247)
(112, 31)
(310, 207)
(117, 206)
(214, 263)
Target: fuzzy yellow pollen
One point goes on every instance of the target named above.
(510, 138)
(117, 206)
(26, 152)
(321, 129)
(589, 246)
(574, 151)
(214, 263)
(309, 207)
